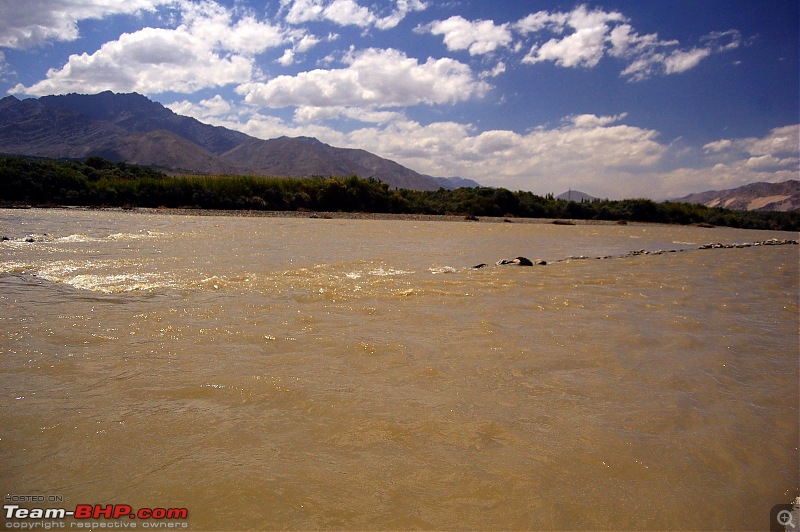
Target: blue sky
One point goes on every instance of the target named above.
(617, 98)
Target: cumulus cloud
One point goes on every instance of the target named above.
(403, 8)
(307, 114)
(372, 78)
(347, 12)
(581, 152)
(583, 37)
(599, 154)
(208, 49)
(780, 147)
(307, 42)
(300, 11)
(730, 163)
(287, 58)
(478, 37)
(584, 46)
(498, 69)
(204, 109)
(213, 23)
(35, 22)
(592, 121)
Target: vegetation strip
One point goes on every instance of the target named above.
(97, 182)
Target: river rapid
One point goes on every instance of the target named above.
(296, 373)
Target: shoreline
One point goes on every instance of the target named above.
(329, 215)
(339, 215)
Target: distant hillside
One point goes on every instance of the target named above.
(452, 183)
(307, 156)
(132, 128)
(753, 197)
(575, 195)
(164, 149)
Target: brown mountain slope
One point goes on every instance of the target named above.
(164, 149)
(285, 156)
(753, 197)
(305, 156)
(28, 127)
(132, 128)
(135, 113)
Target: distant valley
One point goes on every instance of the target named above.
(134, 129)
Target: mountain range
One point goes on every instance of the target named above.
(134, 129)
(753, 197)
(137, 130)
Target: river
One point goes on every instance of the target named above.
(305, 374)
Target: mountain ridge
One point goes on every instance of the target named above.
(760, 196)
(132, 128)
(576, 195)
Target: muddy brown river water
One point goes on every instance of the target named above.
(304, 374)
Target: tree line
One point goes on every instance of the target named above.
(97, 182)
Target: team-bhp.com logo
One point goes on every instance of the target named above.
(95, 511)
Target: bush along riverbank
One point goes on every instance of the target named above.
(97, 182)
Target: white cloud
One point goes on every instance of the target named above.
(583, 38)
(346, 12)
(213, 23)
(302, 10)
(498, 69)
(585, 46)
(599, 154)
(648, 55)
(208, 49)
(543, 160)
(730, 163)
(149, 61)
(31, 23)
(718, 146)
(593, 121)
(303, 42)
(764, 162)
(594, 153)
(287, 58)
(782, 143)
(203, 110)
(373, 78)
(404, 7)
(307, 42)
(307, 114)
(479, 36)
(540, 20)
(681, 61)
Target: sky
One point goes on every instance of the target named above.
(616, 98)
